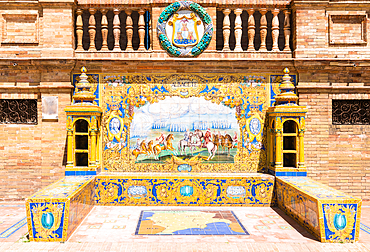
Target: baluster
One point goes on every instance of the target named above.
(251, 30)
(79, 30)
(141, 25)
(92, 30)
(263, 29)
(287, 30)
(226, 29)
(116, 29)
(238, 30)
(150, 32)
(275, 30)
(104, 29)
(129, 31)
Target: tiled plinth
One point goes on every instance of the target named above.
(329, 214)
(202, 189)
(54, 212)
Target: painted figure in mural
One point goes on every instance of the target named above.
(186, 135)
(137, 146)
(207, 137)
(141, 149)
(114, 125)
(165, 144)
(188, 141)
(235, 139)
(161, 139)
(227, 143)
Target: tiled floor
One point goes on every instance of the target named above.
(112, 228)
(12, 221)
(263, 225)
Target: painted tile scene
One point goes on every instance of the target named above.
(184, 127)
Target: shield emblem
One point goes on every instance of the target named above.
(185, 32)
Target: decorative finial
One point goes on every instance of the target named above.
(287, 96)
(83, 93)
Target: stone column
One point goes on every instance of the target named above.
(93, 149)
(251, 30)
(141, 25)
(238, 30)
(287, 30)
(79, 29)
(271, 146)
(129, 30)
(226, 29)
(279, 149)
(275, 30)
(104, 29)
(116, 30)
(301, 149)
(263, 29)
(69, 148)
(92, 30)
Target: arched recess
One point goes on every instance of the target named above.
(81, 142)
(290, 143)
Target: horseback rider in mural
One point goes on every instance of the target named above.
(161, 139)
(207, 137)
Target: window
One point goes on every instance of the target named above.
(18, 111)
(351, 112)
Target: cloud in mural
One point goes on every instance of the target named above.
(141, 124)
(204, 107)
(179, 114)
(171, 106)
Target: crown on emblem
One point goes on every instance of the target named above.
(114, 104)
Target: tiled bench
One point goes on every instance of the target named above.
(54, 212)
(329, 214)
(181, 189)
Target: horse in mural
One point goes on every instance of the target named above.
(144, 149)
(185, 143)
(166, 146)
(211, 148)
(227, 143)
(201, 143)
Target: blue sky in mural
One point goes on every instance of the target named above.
(175, 114)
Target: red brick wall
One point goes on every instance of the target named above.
(31, 156)
(336, 155)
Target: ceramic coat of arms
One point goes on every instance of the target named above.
(184, 29)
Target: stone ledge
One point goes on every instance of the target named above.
(161, 55)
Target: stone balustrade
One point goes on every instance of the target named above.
(129, 29)
(101, 29)
(260, 25)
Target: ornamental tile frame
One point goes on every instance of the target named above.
(123, 96)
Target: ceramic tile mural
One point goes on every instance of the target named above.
(188, 122)
(189, 222)
(204, 189)
(329, 214)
